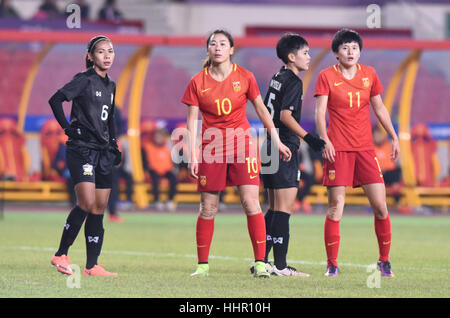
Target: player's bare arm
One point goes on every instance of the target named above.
(266, 119)
(192, 130)
(328, 152)
(315, 143)
(290, 122)
(385, 120)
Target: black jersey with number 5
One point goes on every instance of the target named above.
(285, 92)
(92, 99)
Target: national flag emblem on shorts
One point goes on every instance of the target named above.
(237, 86)
(366, 82)
(332, 174)
(87, 170)
(203, 180)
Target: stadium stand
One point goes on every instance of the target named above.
(171, 63)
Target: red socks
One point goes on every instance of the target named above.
(332, 238)
(383, 232)
(204, 234)
(257, 229)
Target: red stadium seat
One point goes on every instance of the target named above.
(14, 158)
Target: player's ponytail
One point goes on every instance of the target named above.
(91, 48)
(207, 62)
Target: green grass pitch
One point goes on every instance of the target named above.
(154, 255)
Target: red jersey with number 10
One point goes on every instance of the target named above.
(222, 104)
(348, 106)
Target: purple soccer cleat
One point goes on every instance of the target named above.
(332, 270)
(385, 268)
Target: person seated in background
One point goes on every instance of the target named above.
(84, 8)
(51, 134)
(109, 12)
(392, 173)
(6, 10)
(119, 172)
(308, 157)
(424, 151)
(157, 161)
(48, 10)
(59, 164)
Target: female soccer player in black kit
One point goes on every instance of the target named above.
(284, 102)
(91, 152)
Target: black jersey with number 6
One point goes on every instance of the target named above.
(92, 99)
(285, 92)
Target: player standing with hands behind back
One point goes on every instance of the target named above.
(91, 152)
(347, 89)
(284, 102)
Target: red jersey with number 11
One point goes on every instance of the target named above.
(348, 106)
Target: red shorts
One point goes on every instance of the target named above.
(217, 176)
(352, 168)
(242, 168)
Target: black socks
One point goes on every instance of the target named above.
(71, 229)
(279, 232)
(268, 220)
(93, 231)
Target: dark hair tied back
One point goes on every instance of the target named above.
(207, 62)
(91, 48)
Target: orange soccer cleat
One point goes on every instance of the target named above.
(62, 264)
(98, 270)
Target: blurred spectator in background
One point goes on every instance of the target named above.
(157, 161)
(118, 173)
(426, 161)
(48, 10)
(392, 173)
(307, 176)
(6, 10)
(110, 12)
(84, 8)
(59, 164)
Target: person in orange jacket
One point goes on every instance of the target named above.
(158, 163)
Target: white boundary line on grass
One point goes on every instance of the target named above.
(230, 258)
(153, 254)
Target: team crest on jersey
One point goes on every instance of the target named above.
(332, 174)
(203, 180)
(366, 82)
(237, 86)
(87, 170)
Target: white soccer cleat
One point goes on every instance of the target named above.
(288, 271)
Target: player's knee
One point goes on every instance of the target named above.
(87, 206)
(208, 210)
(335, 208)
(100, 209)
(379, 209)
(251, 206)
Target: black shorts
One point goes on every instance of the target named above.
(288, 173)
(90, 165)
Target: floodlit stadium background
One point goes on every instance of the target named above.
(160, 45)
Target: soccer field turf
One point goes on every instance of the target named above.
(154, 255)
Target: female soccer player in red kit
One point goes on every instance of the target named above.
(220, 92)
(346, 90)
